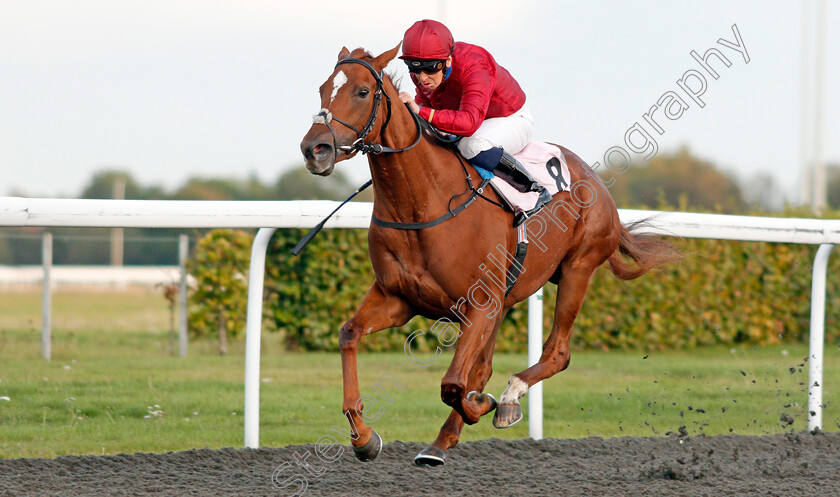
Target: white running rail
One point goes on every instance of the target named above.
(268, 216)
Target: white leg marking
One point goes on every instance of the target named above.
(515, 390)
(338, 81)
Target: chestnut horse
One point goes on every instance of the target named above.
(438, 269)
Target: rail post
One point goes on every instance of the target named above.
(253, 330)
(46, 307)
(817, 337)
(183, 253)
(535, 393)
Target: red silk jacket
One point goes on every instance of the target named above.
(477, 88)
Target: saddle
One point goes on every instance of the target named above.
(547, 166)
(545, 163)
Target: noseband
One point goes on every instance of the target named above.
(324, 116)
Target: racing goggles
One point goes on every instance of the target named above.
(426, 66)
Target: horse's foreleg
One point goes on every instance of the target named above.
(377, 311)
(571, 290)
(450, 432)
(479, 376)
(455, 384)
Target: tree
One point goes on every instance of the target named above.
(678, 180)
(218, 302)
(224, 189)
(207, 189)
(299, 184)
(833, 175)
(102, 185)
(760, 192)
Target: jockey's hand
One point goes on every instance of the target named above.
(408, 99)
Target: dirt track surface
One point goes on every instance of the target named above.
(778, 465)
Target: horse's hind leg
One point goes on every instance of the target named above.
(571, 290)
(450, 432)
(377, 311)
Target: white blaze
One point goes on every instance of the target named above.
(338, 81)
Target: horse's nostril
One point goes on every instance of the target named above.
(321, 151)
(315, 150)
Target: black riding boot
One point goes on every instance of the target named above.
(510, 170)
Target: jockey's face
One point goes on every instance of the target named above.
(431, 81)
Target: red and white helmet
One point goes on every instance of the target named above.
(427, 40)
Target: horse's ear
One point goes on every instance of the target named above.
(383, 60)
(344, 53)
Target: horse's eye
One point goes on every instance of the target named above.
(363, 93)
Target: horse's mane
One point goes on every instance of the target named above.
(361, 53)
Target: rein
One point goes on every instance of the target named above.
(476, 192)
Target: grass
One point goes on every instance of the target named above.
(113, 387)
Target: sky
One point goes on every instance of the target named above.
(169, 90)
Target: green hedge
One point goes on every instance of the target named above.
(310, 296)
(721, 293)
(219, 298)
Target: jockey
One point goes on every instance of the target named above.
(462, 90)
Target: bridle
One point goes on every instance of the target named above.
(324, 116)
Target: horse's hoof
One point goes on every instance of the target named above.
(507, 415)
(430, 456)
(371, 449)
(480, 397)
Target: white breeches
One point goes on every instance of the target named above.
(511, 133)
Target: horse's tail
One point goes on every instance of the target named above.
(646, 252)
